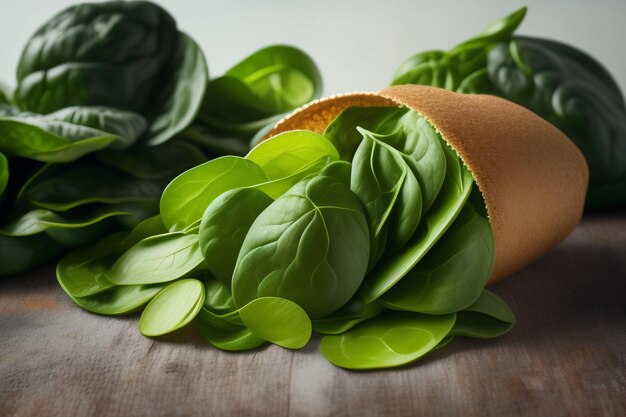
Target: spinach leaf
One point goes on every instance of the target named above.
(157, 259)
(40, 220)
(389, 191)
(310, 246)
(560, 83)
(255, 92)
(162, 162)
(83, 272)
(278, 321)
(487, 318)
(20, 253)
(224, 226)
(342, 131)
(50, 140)
(103, 54)
(82, 184)
(172, 308)
(226, 339)
(178, 101)
(349, 315)
(451, 199)
(391, 339)
(122, 299)
(185, 199)
(4, 173)
(289, 157)
(453, 274)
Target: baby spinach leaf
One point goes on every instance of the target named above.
(5, 93)
(122, 299)
(453, 274)
(340, 170)
(255, 92)
(391, 339)
(451, 199)
(309, 246)
(277, 320)
(21, 253)
(179, 100)
(155, 162)
(157, 259)
(224, 226)
(289, 157)
(186, 198)
(172, 308)
(389, 191)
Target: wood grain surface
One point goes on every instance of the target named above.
(566, 356)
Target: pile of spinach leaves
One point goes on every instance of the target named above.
(562, 84)
(112, 102)
(372, 235)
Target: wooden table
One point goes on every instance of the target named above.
(566, 357)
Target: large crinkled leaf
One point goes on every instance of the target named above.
(21, 253)
(391, 339)
(310, 246)
(186, 198)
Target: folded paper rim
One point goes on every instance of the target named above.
(532, 177)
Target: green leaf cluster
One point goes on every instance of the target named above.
(562, 84)
(371, 235)
(113, 101)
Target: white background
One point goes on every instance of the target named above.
(357, 44)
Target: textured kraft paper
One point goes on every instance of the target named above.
(532, 177)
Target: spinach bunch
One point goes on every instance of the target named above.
(112, 102)
(560, 83)
(372, 235)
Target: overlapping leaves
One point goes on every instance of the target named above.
(276, 245)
